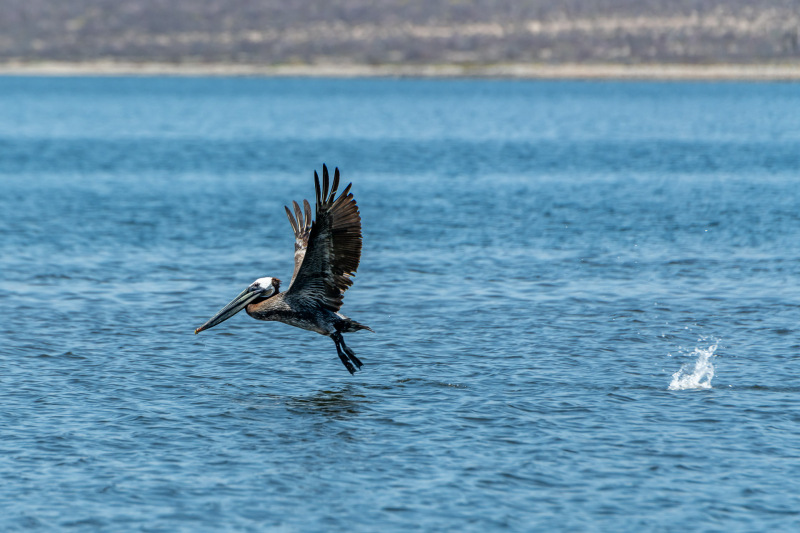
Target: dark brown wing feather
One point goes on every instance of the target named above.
(333, 248)
(302, 229)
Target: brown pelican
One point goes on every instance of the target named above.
(326, 255)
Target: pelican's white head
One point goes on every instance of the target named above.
(267, 286)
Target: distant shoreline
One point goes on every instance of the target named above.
(660, 72)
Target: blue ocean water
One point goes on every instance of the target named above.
(585, 298)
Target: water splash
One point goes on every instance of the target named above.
(697, 375)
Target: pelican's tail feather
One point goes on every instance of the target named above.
(351, 325)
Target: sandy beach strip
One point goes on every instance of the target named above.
(711, 72)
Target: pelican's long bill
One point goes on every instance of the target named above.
(238, 303)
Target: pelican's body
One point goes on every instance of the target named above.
(327, 253)
(285, 309)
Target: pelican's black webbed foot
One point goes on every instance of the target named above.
(351, 354)
(350, 368)
(346, 353)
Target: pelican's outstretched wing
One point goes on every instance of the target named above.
(302, 229)
(333, 247)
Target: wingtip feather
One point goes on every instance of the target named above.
(316, 186)
(307, 208)
(291, 219)
(335, 185)
(300, 222)
(325, 183)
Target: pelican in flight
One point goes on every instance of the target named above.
(326, 256)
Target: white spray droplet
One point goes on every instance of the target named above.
(696, 375)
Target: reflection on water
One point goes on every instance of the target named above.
(341, 403)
